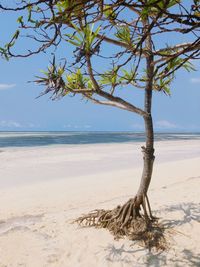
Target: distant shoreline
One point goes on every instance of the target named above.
(40, 139)
(100, 131)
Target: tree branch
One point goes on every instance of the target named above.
(107, 103)
(190, 46)
(117, 100)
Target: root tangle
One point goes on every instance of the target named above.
(128, 220)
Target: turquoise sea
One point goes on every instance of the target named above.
(32, 139)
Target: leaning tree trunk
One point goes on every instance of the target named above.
(148, 160)
(148, 150)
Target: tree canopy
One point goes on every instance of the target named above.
(123, 27)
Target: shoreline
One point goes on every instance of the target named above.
(52, 139)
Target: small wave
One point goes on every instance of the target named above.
(32, 139)
(35, 134)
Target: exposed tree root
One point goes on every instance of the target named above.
(128, 220)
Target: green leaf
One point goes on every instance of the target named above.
(167, 90)
(109, 77)
(123, 34)
(152, 7)
(128, 76)
(109, 12)
(78, 30)
(16, 35)
(74, 43)
(189, 66)
(95, 33)
(90, 84)
(20, 20)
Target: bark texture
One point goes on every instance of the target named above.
(148, 150)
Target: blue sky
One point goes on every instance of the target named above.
(21, 111)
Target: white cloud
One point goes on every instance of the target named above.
(67, 126)
(137, 126)
(164, 124)
(75, 126)
(4, 86)
(195, 80)
(87, 126)
(31, 125)
(10, 124)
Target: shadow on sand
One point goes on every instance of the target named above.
(190, 211)
(128, 256)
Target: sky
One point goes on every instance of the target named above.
(21, 111)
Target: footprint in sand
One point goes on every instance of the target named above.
(19, 223)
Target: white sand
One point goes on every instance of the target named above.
(43, 189)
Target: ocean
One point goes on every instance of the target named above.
(32, 139)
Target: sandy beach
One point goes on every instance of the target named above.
(44, 188)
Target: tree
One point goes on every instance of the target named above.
(137, 33)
